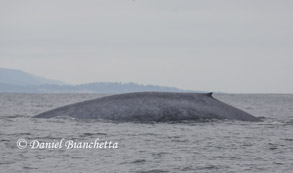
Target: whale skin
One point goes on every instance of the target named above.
(152, 107)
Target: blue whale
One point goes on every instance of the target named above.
(152, 107)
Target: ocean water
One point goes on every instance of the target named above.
(215, 146)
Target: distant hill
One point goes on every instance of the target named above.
(20, 78)
(16, 81)
(100, 87)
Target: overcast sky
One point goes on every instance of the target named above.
(231, 46)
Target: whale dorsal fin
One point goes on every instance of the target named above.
(210, 94)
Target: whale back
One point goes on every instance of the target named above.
(151, 106)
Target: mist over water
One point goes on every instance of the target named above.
(216, 146)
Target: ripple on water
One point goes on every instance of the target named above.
(212, 146)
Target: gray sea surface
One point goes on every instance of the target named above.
(214, 146)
